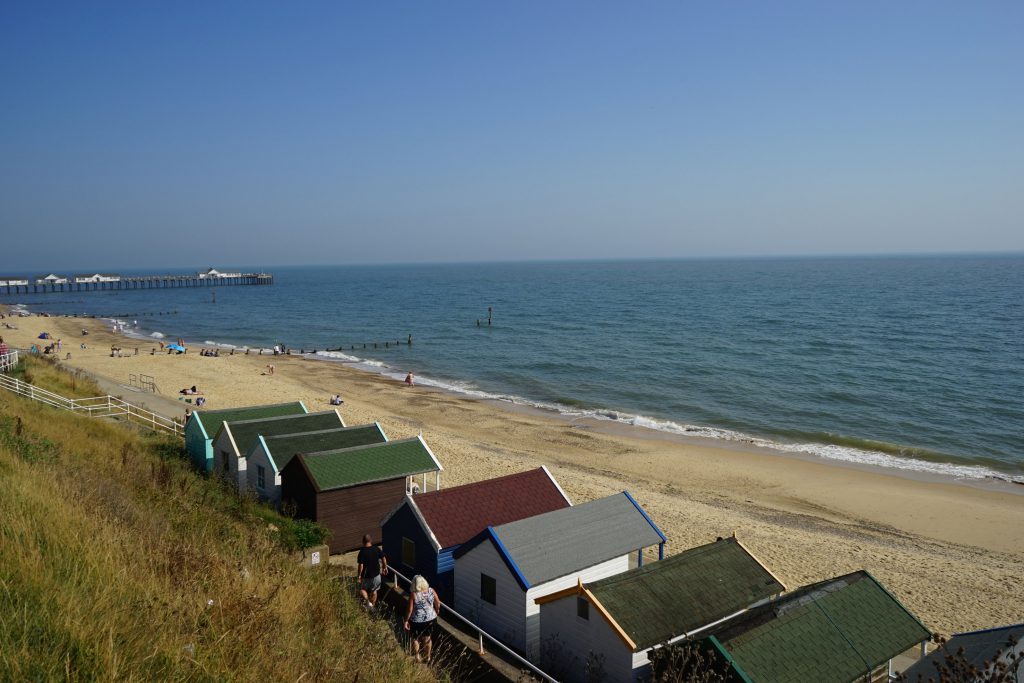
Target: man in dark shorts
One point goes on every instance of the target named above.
(371, 565)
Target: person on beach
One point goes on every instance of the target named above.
(188, 414)
(270, 370)
(336, 400)
(409, 380)
(371, 564)
(420, 617)
(4, 350)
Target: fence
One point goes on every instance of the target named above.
(9, 361)
(481, 634)
(97, 406)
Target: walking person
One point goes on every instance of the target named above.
(371, 564)
(421, 616)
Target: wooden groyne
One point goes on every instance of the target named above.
(112, 283)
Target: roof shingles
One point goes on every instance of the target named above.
(833, 631)
(211, 420)
(367, 464)
(665, 599)
(458, 514)
(284, 447)
(244, 432)
(557, 543)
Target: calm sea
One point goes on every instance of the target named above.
(915, 363)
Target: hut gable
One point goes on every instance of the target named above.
(553, 544)
(205, 424)
(244, 432)
(838, 630)
(458, 514)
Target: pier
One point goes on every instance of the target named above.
(53, 283)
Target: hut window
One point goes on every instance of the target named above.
(582, 608)
(261, 477)
(488, 589)
(408, 552)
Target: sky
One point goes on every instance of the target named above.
(165, 134)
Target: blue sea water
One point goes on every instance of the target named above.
(915, 363)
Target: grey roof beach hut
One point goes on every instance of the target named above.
(269, 454)
(622, 618)
(841, 630)
(235, 438)
(203, 425)
(349, 491)
(983, 650)
(500, 573)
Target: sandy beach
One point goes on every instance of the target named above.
(953, 553)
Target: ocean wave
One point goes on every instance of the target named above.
(157, 335)
(335, 356)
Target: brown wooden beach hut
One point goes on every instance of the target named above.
(351, 490)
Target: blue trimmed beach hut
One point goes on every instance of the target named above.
(203, 425)
(421, 535)
(500, 573)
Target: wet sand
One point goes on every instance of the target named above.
(953, 553)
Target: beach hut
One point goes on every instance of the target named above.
(235, 439)
(350, 490)
(421, 535)
(983, 650)
(269, 454)
(619, 620)
(841, 630)
(502, 571)
(203, 425)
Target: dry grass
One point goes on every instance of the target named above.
(46, 372)
(118, 563)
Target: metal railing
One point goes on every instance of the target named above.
(96, 406)
(481, 634)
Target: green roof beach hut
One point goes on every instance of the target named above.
(203, 425)
(623, 617)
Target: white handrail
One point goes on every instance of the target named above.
(9, 360)
(481, 633)
(95, 406)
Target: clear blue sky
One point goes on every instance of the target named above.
(143, 134)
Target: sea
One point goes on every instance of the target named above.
(913, 363)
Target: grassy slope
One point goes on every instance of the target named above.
(110, 549)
